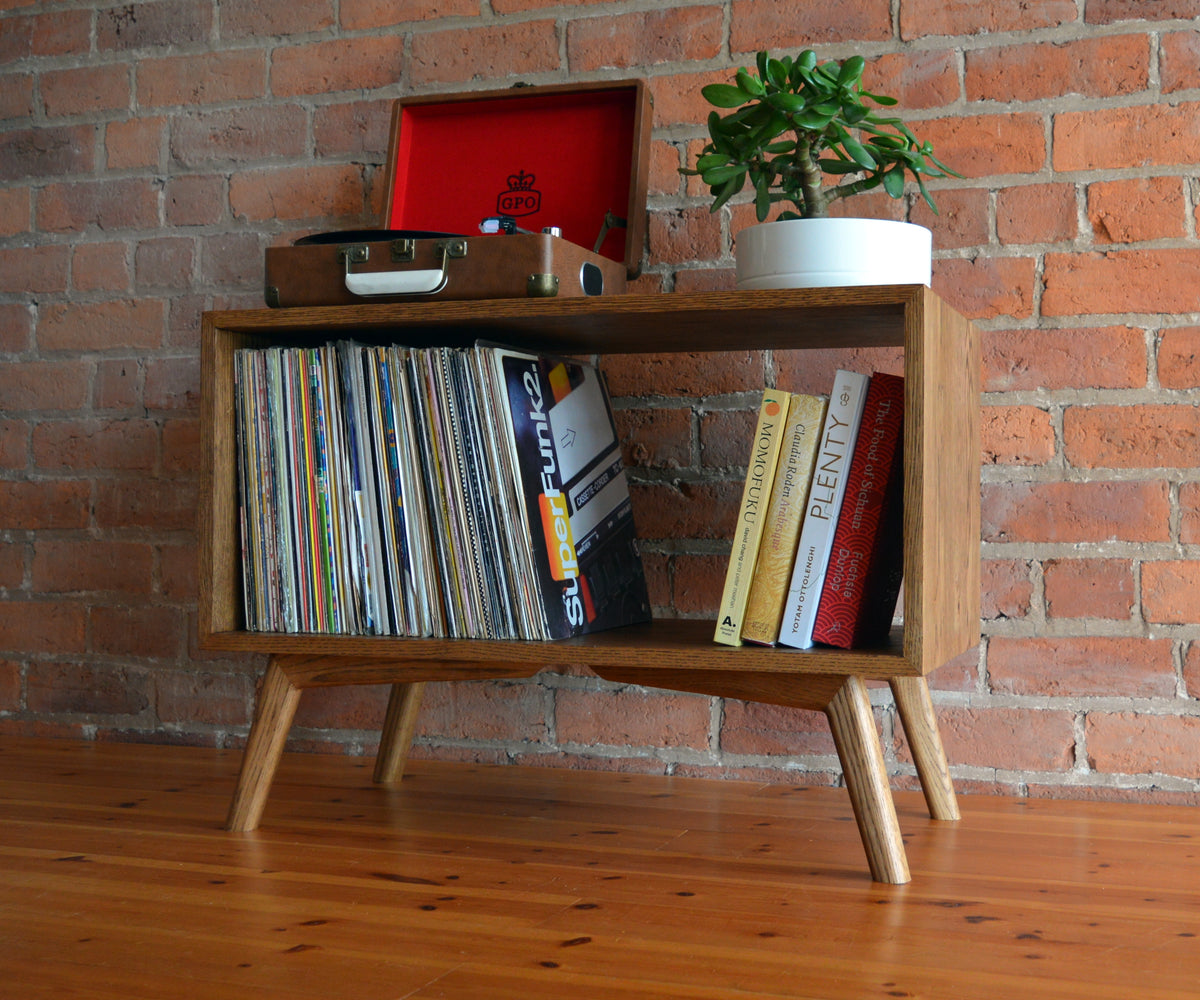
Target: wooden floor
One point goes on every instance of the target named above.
(472, 883)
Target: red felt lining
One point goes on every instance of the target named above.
(461, 161)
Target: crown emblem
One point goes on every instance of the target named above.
(521, 198)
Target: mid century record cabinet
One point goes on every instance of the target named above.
(941, 531)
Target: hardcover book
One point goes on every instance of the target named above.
(785, 511)
(834, 451)
(764, 456)
(866, 564)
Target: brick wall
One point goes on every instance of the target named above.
(149, 152)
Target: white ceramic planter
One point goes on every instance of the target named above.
(814, 253)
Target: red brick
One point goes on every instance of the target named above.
(173, 384)
(1112, 138)
(677, 99)
(63, 33)
(755, 729)
(25, 270)
(138, 631)
(686, 510)
(1171, 592)
(234, 259)
(1036, 213)
(803, 25)
(1179, 61)
(87, 90)
(457, 55)
(655, 438)
(16, 97)
(270, 18)
(240, 135)
(150, 503)
(318, 192)
(193, 698)
(1076, 512)
(1093, 67)
(985, 145)
(359, 128)
(706, 279)
(813, 371)
(919, 18)
(10, 686)
(1132, 667)
(193, 200)
(1191, 669)
(1103, 358)
(46, 152)
(1088, 588)
(987, 287)
(485, 710)
(134, 143)
(181, 445)
(14, 444)
(362, 15)
(1133, 743)
(337, 65)
(164, 263)
(16, 215)
(1143, 208)
(664, 176)
(44, 386)
(16, 328)
(1179, 358)
(1189, 505)
(656, 567)
(644, 38)
(1112, 11)
(41, 505)
(167, 22)
(99, 267)
(697, 582)
(1009, 738)
(206, 78)
(126, 203)
(117, 385)
(1132, 437)
(1007, 589)
(726, 436)
(57, 627)
(961, 673)
(343, 708)
(1017, 435)
(677, 374)
(177, 572)
(961, 219)
(916, 79)
(93, 444)
(84, 689)
(632, 717)
(97, 326)
(1129, 281)
(88, 565)
(681, 235)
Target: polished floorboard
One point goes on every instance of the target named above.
(481, 883)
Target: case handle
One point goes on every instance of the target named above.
(420, 282)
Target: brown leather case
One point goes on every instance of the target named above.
(569, 157)
(428, 268)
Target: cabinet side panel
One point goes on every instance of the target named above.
(942, 600)
(220, 548)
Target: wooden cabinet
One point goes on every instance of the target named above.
(941, 530)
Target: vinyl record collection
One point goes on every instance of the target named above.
(462, 492)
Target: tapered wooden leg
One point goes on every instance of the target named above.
(277, 701)
(398, 727)
(866, 778)
(920, 726)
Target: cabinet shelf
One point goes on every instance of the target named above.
(941, 513)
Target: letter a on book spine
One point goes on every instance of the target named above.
(824, 502)
(764, 456)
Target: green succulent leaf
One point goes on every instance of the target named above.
(724, 95)
(748, 84)
(893, 182)
(851, 71)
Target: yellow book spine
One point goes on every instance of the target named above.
(785, 512)
(764, 457)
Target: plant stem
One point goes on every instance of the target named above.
(815, 206)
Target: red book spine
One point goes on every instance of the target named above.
(862, 583)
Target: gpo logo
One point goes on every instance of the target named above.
(520, 198)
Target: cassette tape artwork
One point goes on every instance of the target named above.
(572, 492)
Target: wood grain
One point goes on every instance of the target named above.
(117, 881)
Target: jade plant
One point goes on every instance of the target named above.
(800, 131)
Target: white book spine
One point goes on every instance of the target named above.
(838, 434)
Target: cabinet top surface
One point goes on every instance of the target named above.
(852, 316)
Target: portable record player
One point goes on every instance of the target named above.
(532, 191)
